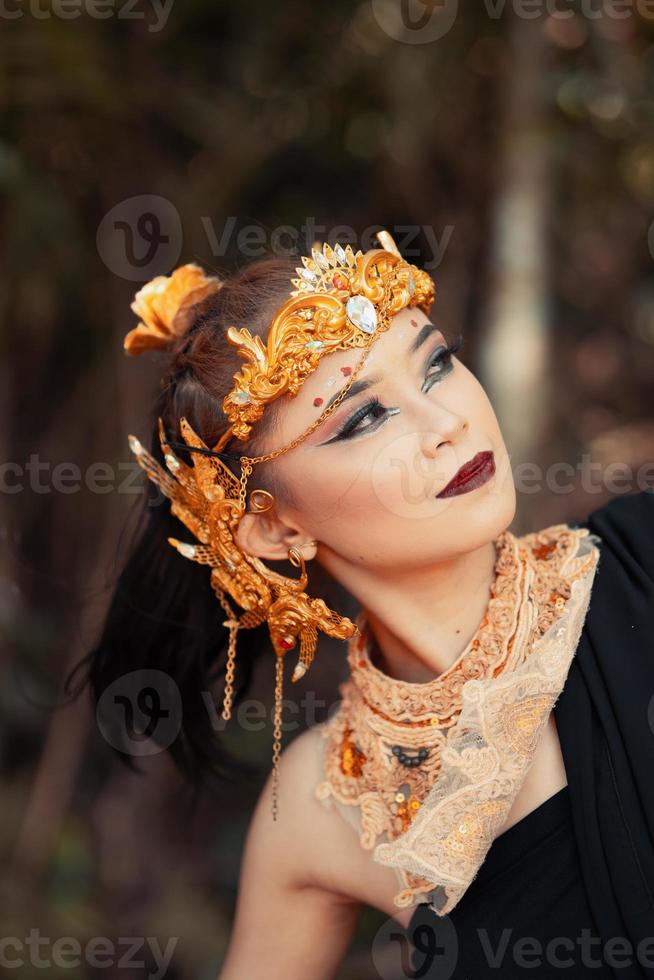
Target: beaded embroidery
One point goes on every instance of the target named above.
(433, 768)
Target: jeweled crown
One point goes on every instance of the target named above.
(341, 297)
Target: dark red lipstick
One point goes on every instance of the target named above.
(472, 474)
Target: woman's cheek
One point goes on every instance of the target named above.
(403, 481)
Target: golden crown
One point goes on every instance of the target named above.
(341, 298)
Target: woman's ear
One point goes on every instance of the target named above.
(266, 536)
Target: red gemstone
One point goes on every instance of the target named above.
(340, 281)
(287, 643)
(317, 401)
(346, 371)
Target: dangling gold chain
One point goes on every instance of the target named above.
(277, 730)
(233, 624)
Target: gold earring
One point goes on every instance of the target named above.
(260, 501)
(296, 557)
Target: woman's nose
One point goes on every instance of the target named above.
(443, 427)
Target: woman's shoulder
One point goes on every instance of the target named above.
(286, 841)
(314, 843)
(300, 770)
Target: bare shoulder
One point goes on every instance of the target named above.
(286, 916)
(304, 828)
(312, 845)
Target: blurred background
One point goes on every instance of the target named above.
(509, 147)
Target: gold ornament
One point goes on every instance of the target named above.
(165, 306)
(341, 299)
(210, 501)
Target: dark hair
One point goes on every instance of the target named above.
(164, 615)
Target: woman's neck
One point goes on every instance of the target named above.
(422, 622)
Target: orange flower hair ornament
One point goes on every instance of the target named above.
(342, 299)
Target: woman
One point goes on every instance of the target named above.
(506, 834)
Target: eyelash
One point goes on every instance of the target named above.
(443, 356)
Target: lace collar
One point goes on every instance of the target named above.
(433, 768)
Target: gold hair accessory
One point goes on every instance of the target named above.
(210, 501)
(342, 299)
(165, 306)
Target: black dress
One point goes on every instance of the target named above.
(525, 914)
(568, 891)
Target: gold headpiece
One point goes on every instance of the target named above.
(342, 299)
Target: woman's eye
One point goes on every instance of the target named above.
(369, 415)
(440, 363)
(364, 418)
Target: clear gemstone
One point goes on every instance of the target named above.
(187, 550)
(135, 446)
(242, 397)
(362, 313)
(308, 274)
(314, 344)
(340, 254)
(320, 259)
(411, 285)
(171, 462)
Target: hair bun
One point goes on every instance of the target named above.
(165, 307)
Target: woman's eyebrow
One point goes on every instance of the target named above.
(426, 330)
(357, 387)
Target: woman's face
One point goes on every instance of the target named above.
(366, 482)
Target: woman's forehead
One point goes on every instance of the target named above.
(390, 350)
(408, 328)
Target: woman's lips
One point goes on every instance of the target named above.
(472, 474)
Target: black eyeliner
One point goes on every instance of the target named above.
(356, 417)
(443, 353)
